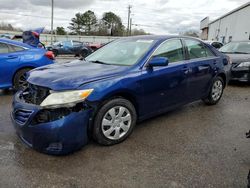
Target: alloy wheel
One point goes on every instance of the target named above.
(22, 81)
(217, 90)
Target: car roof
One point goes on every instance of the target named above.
(210, 41)
(16, 43)
(240, 41)
(160, 37)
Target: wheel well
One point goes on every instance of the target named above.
(124, 95)
(28, 67)
(127, 96)
(223, 76)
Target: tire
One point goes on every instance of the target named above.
(19, 81)
(55, 53)
(84, 53)
(216, 91)
(111, 127)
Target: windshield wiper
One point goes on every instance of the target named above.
(99, 62)
(240, 53)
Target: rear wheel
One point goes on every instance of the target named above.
(114, 122)
(84, 53)
(216, 92)
(55, 52)
(19, 80)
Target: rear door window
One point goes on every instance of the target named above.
(76, 43)
(16, 48)
(197, 50)
(4, 48)
(67, 44)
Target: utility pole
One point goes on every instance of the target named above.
(52, 20)
(130, 27)
(129, 12)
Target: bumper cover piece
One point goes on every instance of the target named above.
(57, 137)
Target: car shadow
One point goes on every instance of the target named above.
(239, 84)
(6, 92)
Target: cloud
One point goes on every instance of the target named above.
(12, 4)
(154, 16)
(63, 4)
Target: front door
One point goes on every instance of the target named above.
(165, 87)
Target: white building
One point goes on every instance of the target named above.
(233, 26)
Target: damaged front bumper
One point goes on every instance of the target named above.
(240, 74)
(57, 131)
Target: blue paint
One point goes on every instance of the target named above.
(12, 62)
(152, 90)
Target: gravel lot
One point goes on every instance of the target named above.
(193, 146)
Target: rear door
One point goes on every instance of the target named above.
(9, 60)
(68, 47)
(201, 67)
(77, 46)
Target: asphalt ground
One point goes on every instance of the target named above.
(192, 146)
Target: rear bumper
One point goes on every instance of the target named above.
(58, 137)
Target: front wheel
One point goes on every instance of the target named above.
(19, 80)
(216, 92)
(114, 122)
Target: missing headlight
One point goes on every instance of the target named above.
(49, 115)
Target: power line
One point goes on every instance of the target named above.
(35, 16)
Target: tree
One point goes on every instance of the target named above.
(139, 32)
(114, 23)
(89, 21)
(60, 31)
(83, 23)
(8, 27)
(76, 24)
(191, 33)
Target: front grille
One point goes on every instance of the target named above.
(21, 116)
(35, 94)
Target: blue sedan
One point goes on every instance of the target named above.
(104, 96)
(16, 59)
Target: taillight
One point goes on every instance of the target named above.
(35, 34)
(50, 55)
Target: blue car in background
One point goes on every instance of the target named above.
(70, 48)
(126, 81)
(16, 59)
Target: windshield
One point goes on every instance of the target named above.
(236, 47)
(124, 52)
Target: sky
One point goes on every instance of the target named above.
(154, 16)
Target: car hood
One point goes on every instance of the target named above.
(238, 58)
(72, 75)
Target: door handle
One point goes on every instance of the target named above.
(215, 62)
(185, 70)
(203, 67)
(12, 57)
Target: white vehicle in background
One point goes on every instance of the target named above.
(215, 44)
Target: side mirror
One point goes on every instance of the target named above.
(158, 61)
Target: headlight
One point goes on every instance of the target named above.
(244, 64)
(66, 98)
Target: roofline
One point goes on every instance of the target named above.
(15, 43)
(204, 18)
(231, 12)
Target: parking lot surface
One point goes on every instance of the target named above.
(193, 146)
